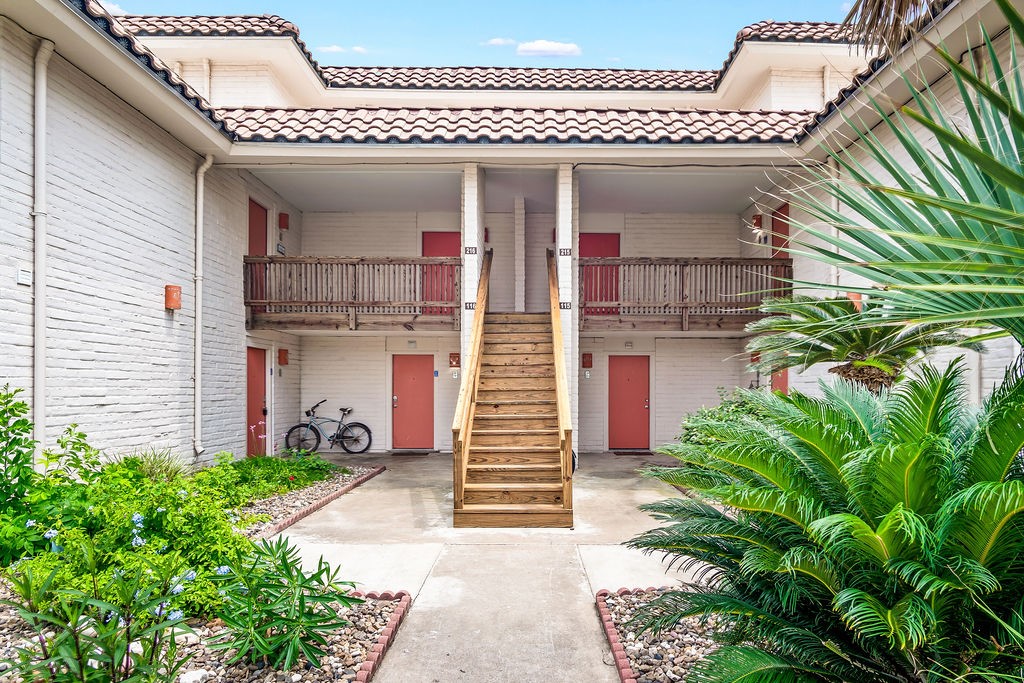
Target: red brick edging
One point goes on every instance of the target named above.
(626, 674)
(313, 507)
(373, 659)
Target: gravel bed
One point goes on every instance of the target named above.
(283, 506)
(667, 656)
(347, 648)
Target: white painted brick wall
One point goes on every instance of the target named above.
(120, 229)
(538, 241)
(502, 287)
(17, 51)
(356, 371)
(246, 85)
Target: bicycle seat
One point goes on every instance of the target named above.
(345, 410)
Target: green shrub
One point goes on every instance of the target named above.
(732, 405)
(161, 464)
(17, 450)
(275, 611)
(119, 627)
(854, 538)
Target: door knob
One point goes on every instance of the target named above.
(647, 404)
(394, 401)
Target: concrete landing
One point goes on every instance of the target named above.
(492, 605)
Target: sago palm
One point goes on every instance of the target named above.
(851, 538)
(939, 227)
(805, 331)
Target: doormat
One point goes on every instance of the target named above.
(413, 451)
(632, 453)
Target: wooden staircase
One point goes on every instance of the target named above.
(513, 461)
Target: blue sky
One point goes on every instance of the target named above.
(660, 34)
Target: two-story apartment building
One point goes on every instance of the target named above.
(329, 228)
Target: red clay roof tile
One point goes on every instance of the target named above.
(511, 126)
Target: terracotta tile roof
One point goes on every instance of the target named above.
(241, 25)
(515, 78)
(512, 126)
(795, 31)
(486, 78)
(92, 11)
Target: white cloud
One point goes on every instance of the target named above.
(359, 49)
(500, 41)
(113, 8)
(548, 48)
(331, 48)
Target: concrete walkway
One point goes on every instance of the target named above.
(491, 605)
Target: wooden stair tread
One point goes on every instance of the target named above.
(513, 449)
(514, 509)
(507, 467)
(514, 486)
(504, 432)
(518, 401)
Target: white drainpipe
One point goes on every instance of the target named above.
(197, 377)
(39, 243)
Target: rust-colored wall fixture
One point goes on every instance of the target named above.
(172, 297)
(282, 356)
(454, 360)
(282, 221)
(588, 360)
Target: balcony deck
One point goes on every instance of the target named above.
(371, 293)
(674, 294)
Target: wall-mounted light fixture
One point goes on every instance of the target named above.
(172, 297)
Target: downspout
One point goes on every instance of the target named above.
(39, 243)
(197, 375)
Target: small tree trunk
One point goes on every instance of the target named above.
(875, 379)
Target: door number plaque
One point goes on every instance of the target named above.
(564, 305)
(470, 250)
(470, 305)
(565, 252)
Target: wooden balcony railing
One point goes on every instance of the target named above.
(677, 294)
(354, 293)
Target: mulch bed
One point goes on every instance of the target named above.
(649, 657)
(288, 508)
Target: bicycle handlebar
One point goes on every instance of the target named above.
(318, 404)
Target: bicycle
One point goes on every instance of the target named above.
(354, 437)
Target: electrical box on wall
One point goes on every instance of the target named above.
(454, 360)
(587, 360)
(282, 221)
(282, 356)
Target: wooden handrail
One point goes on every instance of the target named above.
(466, 406)
(672, 261)
(359, 260)
(561, 382)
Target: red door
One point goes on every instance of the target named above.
(780, 242)
(412, 401)
(256, 401)
(258, 247)
(629, 400)
(600, 283)
(439, 281)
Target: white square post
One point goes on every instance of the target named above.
(566, 218)
(472, 247)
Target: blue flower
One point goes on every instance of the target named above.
(138, 541)
(175, 615)
(183, 493)
(190, 575)
(30, 523)
(137, 519)
(177, 589)
(161, 509)
(50, 534)
(222, 570)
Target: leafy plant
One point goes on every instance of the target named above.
(161, 464)
(804, 331)
(854, 537)
(123, 631)
(17, 450)
(274, 610)
(938, 229)
(732, 405)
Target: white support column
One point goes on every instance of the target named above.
(519, 212)
(566, 215)
(472, 246)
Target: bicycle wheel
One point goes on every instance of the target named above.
(303, 437)
(356, 437)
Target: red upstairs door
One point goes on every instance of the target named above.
(439, 281)
(258, 247)
(600, 283)
(629, 401)
(256, 401)
(412, 401)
